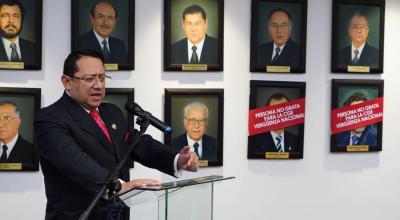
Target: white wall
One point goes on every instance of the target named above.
(320, 186)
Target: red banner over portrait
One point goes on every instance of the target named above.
(355, 116)
(276, 116)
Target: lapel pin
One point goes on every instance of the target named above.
(114, 126)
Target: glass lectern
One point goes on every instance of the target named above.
(190, 199)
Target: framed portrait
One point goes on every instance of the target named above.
(357, 36)
(278, 36)
(21, 44)
(18, 107)
(196, 117)
(276, 120)
(356, 115)
(193, 35)
(107, 27)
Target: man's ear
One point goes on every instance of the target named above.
(66, 81)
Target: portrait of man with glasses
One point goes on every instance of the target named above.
(359, 52)
(195, 116)
(281, 50)
(14, 148)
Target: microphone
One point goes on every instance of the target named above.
(135, 109)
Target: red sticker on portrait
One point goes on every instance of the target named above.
(358, 115)
(276, 116)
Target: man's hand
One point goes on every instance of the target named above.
(188, 160)
(126, 186)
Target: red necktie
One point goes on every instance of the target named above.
(96, 117)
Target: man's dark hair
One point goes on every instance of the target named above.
(277, 96)
(357, 96)
(279, 10)
(70, 64)
(12, 3)
(193, 10)
(107, 2)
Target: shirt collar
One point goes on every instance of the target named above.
(11, 144)
(191, 142)
(100, 38)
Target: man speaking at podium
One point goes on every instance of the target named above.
(81, 139)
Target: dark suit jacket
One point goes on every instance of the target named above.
(118, 52)
(209, 145)
(368, 137)
(209, 53)
(263, 142)
(75, 155)
(25, 153)
(368, 57)
(289, 56)
(27, 51)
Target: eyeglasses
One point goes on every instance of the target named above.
(281, 26)
(359, 27)
(193, 121)
(93, 78)
(7, 119)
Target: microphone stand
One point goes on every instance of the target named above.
(112, 184)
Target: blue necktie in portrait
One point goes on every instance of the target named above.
(276, 57)
(279, 143)
(196, 148)
(354, 140)
(106, 52)
(3, 157)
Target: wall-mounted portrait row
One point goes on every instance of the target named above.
(277, 115)
(17, 111)
(193, 34)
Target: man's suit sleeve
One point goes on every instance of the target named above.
(58, 148)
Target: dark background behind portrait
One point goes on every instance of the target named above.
(263, 94)
(263, 11)
(28, 27)
(118, 100)
(121, 28)
(26, 106)
(178, 103)
(177, 7)
(371, 12)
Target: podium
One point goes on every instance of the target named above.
(190, 199)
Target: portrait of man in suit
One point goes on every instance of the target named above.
(359, 52)
(103, 19)
(365, 135)
(14, 48)
(197, 47)
(279, 140)
(281, 50)
(14, 148)
(195, 123)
